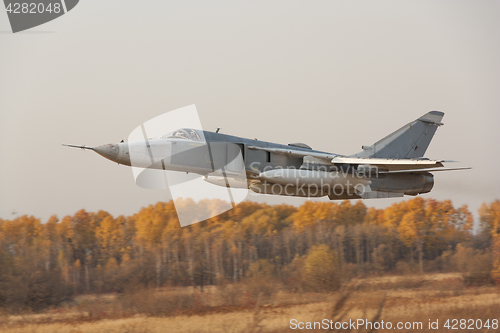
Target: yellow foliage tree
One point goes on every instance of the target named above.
(489, 218)
(320, 268)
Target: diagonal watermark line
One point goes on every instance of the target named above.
(64, 6)
(228, 187)
(147, 144)
(150, 153)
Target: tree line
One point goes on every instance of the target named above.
(43, 264)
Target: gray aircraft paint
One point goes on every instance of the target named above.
(410, 141)
(230, 161)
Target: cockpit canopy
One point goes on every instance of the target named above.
(185, 133)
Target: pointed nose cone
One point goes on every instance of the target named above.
(110, 151)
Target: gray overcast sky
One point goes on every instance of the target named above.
(333, 74)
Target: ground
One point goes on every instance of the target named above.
(394, 299)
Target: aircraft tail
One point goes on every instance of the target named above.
(410, 141)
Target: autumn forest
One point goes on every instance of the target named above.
(316, 246)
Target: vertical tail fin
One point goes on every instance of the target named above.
(410, 141)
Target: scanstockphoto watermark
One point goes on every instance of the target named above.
(311, 191)
(431, 324)
(24, 15)
(334, 171)
(327, 324)
(315, 182)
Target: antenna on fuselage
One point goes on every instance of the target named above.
(218, 129)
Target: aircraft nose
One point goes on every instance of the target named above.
(110, 151)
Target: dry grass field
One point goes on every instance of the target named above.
(242, 308)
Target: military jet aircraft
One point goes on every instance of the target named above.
(391, 167)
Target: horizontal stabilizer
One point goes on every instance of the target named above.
(390, 164)
(426, 170)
